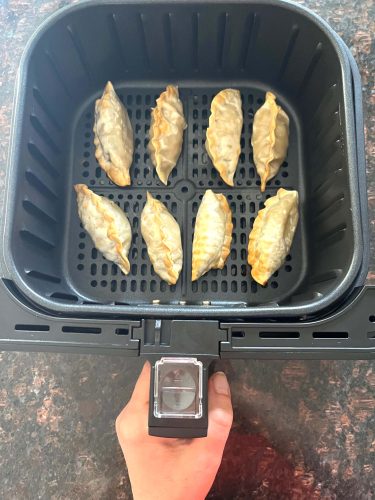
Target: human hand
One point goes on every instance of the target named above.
(168, 468)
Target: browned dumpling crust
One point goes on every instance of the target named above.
(162, 235)
(166, 132)
(272, 234)
(270, 139)
(113, 137)
(223, 139)
(212, 234)
(107, 225)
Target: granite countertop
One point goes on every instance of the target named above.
(302, 429)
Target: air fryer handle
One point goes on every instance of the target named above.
(178, 406)
(180, 353)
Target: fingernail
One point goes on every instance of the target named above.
(221, 385)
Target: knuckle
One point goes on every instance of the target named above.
(118, 424)
(222, 418)
(127, 426)
(121, 421)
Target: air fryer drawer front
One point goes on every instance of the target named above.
(203, 47)
(348, 333)
(184, 349)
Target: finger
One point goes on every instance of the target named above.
(133, 417)
(140, 395)
(141, 392)
(220, 417)
(220, 410)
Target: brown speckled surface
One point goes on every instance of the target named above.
(302, 429)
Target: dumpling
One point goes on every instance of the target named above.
(113, 137)
(166, 132)
(212, 234)
(272, 234)
(107, 225)
(223, 138)
(270, 139)
(163, 239)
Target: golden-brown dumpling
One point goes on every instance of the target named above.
(223, 138)
(166, 132)
(212, 234)
(113, 137)
(163, 239)
(270, 139)
(272, 234)
(107, 225)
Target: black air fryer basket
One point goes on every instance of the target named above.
(58, 292)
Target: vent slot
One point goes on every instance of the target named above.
(195, 44)
(43, 189)
(44, 134)
(114, 31)
(42, 276)
(279, 335)
(222, 38)
(35, 240)
(42, 160)
(311, 68)
(81, 329)
(238, 334)
(168, 40)
(37, 212)
(249, 40)
(65, 296)
(371, 335)
(56, 71)
(330, 335)
(80, 51)
(32, 328)
(122, 331)
(142, 35)
(38, 97)
(328, 276)
(289, 50)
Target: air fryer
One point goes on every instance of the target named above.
(60, 293)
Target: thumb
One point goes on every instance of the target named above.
(141, 392)
(132, 421)
(220, 411)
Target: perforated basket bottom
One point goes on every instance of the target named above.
(95, 279)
